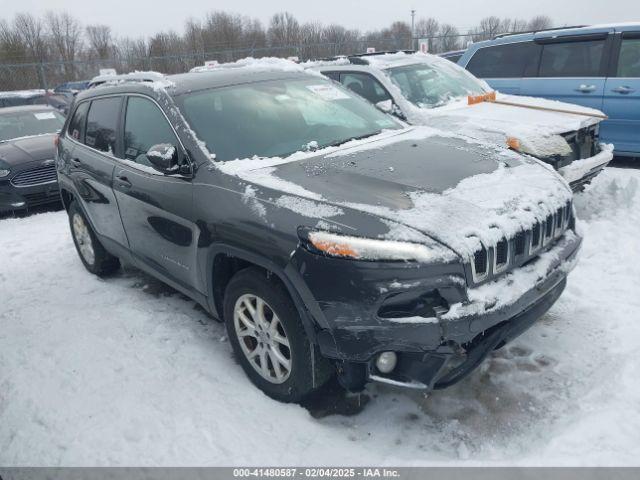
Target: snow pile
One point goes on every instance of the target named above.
(124, 371)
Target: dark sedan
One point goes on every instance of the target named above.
(27, 152)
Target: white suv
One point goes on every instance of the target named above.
(423, 89)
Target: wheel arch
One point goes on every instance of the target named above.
(224, 261)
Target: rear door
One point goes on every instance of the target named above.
(156, 209)
(622, 96)
(504, 66)
(92, 130)
(572, 69)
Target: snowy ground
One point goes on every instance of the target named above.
(126, 372)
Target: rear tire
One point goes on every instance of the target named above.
(93, 255)
(268, 338)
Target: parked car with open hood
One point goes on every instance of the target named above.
(27, 152)
(329, 237)
(595, 66)
(427, 90)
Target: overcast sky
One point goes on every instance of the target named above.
(133, 18)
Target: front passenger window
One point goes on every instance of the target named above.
(145, 126)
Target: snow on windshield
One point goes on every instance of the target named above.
(435, 83)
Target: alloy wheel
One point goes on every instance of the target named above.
(83, 239)
(262, 338)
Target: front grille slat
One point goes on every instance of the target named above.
(541, 234)
(35, 176)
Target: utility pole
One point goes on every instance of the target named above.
(413, 32)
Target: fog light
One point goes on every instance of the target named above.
(18, 204)
(386, 362)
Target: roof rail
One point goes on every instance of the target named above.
(502, 35)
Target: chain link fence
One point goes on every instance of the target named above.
(46, 75)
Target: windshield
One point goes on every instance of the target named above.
(434, 84)
(29, 123)
(278, 118)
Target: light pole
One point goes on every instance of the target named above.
(413, 17)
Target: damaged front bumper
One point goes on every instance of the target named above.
(439, 329)
(580, 172)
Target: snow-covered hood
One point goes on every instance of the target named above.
(537, 130)
(456, 192)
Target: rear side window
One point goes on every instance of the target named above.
(629, 60)
(514, 60)
(78, 122)
(365, 85)
(102, 122)
(572, 59)
(145, 126)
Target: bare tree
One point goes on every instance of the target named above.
(283, 30)
(100, 41)
(540, 22)
(450, 38)
(66, 38)
(32, 34)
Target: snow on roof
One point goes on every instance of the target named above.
(23, 93)
(264, 64)
(155, 80)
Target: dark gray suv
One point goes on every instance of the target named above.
(330, 238)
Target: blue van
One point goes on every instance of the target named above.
(596, 66)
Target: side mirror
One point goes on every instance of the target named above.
(164, 158)
(385, 105)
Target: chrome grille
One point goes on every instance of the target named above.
(35, 176)
(480, 264)
(512, 252)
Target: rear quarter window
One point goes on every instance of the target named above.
(513, 60)
(78, 122)
(102, 121)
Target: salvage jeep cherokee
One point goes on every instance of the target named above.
(330, 238)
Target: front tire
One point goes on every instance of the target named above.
(268, 338)
(93, 255)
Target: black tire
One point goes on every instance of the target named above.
(306, 374)
(103, 263)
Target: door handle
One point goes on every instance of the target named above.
(586, 88)
(623, 90)
(76, 162)
(123, 181)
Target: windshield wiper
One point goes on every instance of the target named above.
(360, 137)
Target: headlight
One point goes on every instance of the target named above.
(541, 147)
(358, 248)
(4, 173)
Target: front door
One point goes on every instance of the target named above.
(156, 209)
